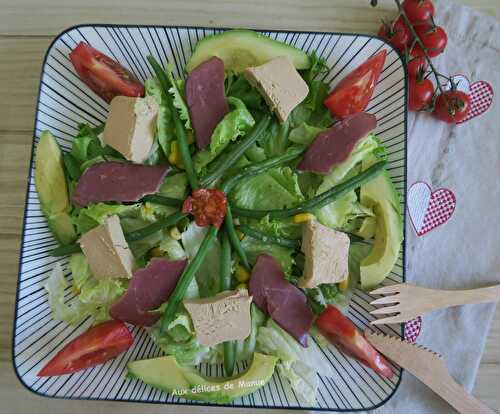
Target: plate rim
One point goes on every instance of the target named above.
(30, 175)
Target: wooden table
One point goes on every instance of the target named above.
(26, 29)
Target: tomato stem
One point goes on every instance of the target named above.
(422, 46)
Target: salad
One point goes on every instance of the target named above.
(230, 213)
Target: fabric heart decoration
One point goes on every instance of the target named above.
(412, 329)
(481, 94)
(429, 209)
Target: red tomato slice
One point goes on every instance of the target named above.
(95, 346)
(342, 333)
(103, 75)
(353, 93)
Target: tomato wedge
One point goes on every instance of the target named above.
(95, 346)
(103, 75)
(342, 333)
(353, 93)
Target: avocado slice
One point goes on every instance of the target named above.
(381, 195)
(186, 382)
(240, 49)
(50, 183)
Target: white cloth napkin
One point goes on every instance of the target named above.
(464, 252)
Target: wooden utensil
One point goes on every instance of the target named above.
(412, 301)
(430, 368)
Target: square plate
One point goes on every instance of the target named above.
(64, 101)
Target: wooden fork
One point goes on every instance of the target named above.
(412, 301)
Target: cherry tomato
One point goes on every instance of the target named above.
(421, 92)
(353, 93)
(397, 34)
(417, 63)
(95, 346)
(418, 10)
(207, 205)
(103, 75)
(433, 38)
(342, 333)
(452, 106)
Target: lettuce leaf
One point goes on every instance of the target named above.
(339, 212)
(277, 188)
(239, 87)
(172, 248)
(87, 218)
(283, 255)
(235, 124)
(298, 364)
(164, 122)
(281, 228)
(176, 90)
(246, 347)
(304, 134)
(208, 274)
(94, 299)
(87, 146)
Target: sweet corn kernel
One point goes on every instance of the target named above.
(303, 217)
(344, 285)
(242, 274)
(240, 234)
(174, 233)
(174, 157)
(236, 221)
(242, 286)
(156, 252)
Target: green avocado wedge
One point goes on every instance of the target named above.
(381, 195)
(186, 382)
(50, 183)
(240, 49)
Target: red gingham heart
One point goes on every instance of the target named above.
(412, 329)
(429, 209)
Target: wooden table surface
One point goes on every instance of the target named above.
(26, 29)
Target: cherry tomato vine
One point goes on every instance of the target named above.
(414, 33)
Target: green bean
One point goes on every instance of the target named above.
(234, 239)
(165, 201)
(65, 250)
(179, 125)
(186, 278)
(320, 200)
(260, 167)
(237, 152)
(154, 227)
(269, 238)
(225, 284)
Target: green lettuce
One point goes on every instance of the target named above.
(304, 134)
(87, 218)
(298, 364)
(176, 90)
(285, 228)
(207, 276)
(164, 122)
(87, 148)
(339, 212)
(172, 248)
(94, 297)
(277, 188)
(246, 347)
(235, 124)
(239, 87)
(283, 255)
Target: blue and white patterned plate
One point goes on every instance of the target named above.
(64, 101)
